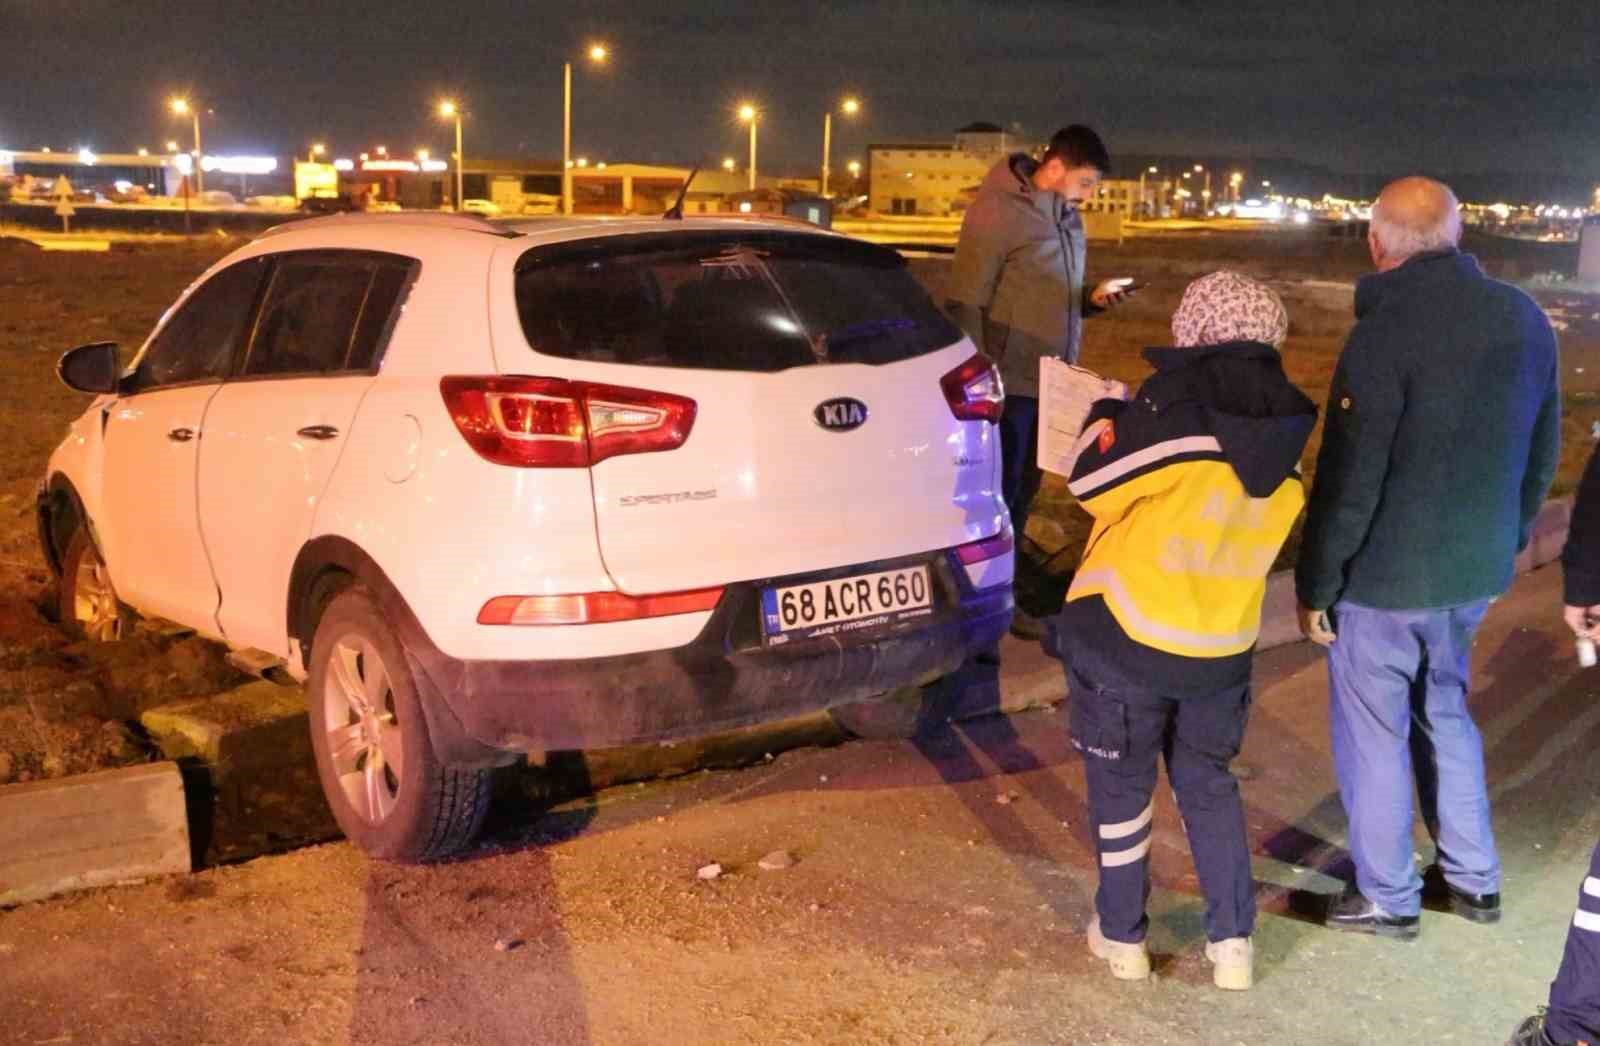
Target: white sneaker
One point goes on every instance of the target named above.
(1129, 962)
(1233, 963)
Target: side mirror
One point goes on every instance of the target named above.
(93, 368)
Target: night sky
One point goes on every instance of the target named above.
(1363, 85)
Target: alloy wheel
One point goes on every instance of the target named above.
(363, 729)
(94, 601)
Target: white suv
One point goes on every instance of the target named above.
(494, 489)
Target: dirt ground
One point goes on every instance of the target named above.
(66, 708)
(939, 894)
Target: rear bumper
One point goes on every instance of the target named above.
(723, 680)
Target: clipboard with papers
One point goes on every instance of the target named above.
(1066, 395)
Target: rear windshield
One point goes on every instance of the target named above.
(726, 300)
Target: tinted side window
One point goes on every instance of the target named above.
(326, 312)
(200, 340)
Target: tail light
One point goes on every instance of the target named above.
(975, 391)
(985, 550)
(553, 423)
(593, 608)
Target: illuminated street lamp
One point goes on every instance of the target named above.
(181, 107)
(729, 163)
(850, 107)
(751, 115)
(451, 111)
(172, 146)
(597, 55)
(1148, 170)
(317, 149)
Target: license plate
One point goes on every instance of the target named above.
(846, 604)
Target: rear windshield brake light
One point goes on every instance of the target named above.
(554, 423)
(593, 608)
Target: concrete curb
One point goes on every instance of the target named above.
(76, 833)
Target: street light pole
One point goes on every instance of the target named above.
(566, 138)
(750, 114)
(199, 155)
(448, 110)
(460, 162)
(827, 147)
(597, 54)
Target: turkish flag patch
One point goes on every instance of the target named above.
(1108, 437)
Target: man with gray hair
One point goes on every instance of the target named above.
(1443, 433)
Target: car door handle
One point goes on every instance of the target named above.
(181, 435)
(318, 432)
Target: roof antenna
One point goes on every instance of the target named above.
(675, 212)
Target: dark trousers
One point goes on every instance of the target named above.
(1575, 994)
(1019, 458)
(1122, 731)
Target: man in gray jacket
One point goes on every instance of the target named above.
(1017, 291)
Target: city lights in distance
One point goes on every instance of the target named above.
(344, 164)
(143, 151)
(172, 147)
(239, 164)
(422, 155)
(317, 149)
(86, 155)
(854, 167)
(728, 163)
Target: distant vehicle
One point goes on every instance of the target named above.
(539, 203)
(756, 476)
(330, 204)
(485, 207)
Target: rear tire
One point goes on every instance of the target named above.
(388, 790)
(86, 603)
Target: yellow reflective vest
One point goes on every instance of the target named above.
(1192, 502)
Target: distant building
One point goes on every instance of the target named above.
(158, 174)
(937, 178)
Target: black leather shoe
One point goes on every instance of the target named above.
(1353, 913)
(1438, 894)
(1531, 1033)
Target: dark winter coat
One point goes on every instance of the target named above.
(1443, 433)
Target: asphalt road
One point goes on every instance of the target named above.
(938, 895)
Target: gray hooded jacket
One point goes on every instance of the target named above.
(1017, 284)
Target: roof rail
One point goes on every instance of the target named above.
(430, 219)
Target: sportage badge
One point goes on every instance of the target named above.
(841, 414)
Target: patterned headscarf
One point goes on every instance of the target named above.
(1225, 306)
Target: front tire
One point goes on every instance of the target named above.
(87, 604)
(388, 790)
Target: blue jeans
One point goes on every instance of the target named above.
(1399, 682)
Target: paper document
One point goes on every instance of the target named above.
(1066, 394)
